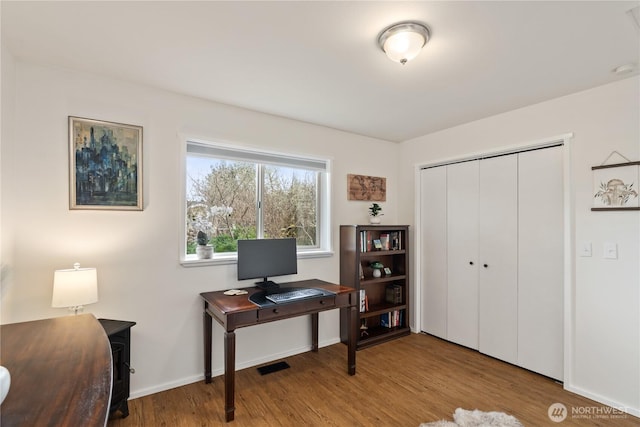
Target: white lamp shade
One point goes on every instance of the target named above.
(75, 287)
(404, 46)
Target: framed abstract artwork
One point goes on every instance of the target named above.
(615, 187)
(105, 165)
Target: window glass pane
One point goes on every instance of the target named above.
(289, 204)
(221, 201)
(224, 185)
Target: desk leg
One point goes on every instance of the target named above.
(207, 331)
(352, 317)
(229, 374)
(314, 332)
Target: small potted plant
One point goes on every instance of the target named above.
(375, 213)
(204, 250)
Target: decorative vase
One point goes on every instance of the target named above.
(376, 272)
(5, 382)
(204, 252)
(374, 220)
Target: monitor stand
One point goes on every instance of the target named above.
(267, 285)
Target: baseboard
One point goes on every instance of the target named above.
(220, 370)
(601, 399)
(134, 394)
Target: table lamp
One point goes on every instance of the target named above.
(74, 288)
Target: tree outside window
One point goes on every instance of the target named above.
(236, 199)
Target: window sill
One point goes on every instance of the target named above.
(192, 261)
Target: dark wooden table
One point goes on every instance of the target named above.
(60, 372)
(238, 311)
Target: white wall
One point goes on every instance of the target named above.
(7, 97)
(604, 341)
(137, 253)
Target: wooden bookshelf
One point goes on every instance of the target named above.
(381, 316)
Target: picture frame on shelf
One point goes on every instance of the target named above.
(105, 165)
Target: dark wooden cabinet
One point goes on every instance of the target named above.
(119, 333)
(383, 296)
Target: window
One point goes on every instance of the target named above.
(233, 193)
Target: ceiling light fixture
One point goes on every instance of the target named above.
(403, 41)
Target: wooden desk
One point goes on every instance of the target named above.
(237, 311)
(60, 372)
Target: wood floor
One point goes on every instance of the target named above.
(405, 382)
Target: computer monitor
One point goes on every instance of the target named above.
(264, 258)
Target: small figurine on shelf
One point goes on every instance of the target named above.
(364, 328)
(376, 266)
(374, 213)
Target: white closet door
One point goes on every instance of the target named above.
(498, 275)
(433, 226)
(540, 264)
(462, 253)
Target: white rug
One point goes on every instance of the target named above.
(476, 418)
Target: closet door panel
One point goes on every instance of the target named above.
(462, 253)
(433, 226)
(540, 264)
(498, 272)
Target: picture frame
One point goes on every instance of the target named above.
(105, 165)
(387, 271)
(369, 188)
(615, 187)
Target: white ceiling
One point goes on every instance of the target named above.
(318, 62)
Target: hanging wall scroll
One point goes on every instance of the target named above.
(615, 187)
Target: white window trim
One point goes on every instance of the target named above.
(325, 247)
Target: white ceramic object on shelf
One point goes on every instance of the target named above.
(5, 382)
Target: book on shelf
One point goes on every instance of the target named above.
(392, 319)
(384, 241)
(395, 241)
(364, 301)
(366, 244)
(393, 294)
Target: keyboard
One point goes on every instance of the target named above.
(294, 295)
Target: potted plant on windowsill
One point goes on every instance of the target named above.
(375, 213)
(204, 250)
